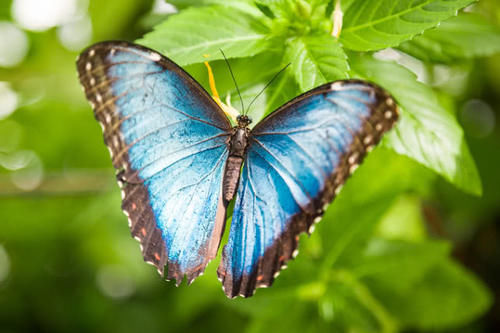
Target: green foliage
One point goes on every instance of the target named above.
(426, 132)
(463, 37)
(375, 25)
(298, 32)
(376, 262)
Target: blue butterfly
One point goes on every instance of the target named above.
(180, 162)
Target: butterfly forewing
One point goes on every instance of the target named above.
(298, 159)
(168, 142)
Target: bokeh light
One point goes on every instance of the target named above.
(8, 100)
(478, 118)
(39, 15)
(27, 169)
(76, 34)
(14, 45)
(114, 282)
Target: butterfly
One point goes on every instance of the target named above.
(180, 162)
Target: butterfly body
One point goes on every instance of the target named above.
(180, 162)
(238, 145)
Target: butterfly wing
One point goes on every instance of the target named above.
(167, 139)
(297, 160)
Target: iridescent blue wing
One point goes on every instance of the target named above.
(167, 139)
(298, 159)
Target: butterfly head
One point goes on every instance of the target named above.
(243, 121)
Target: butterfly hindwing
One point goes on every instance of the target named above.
(298, 159)
(168, 142)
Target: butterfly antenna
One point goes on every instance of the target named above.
(234, 80)
(267, 85)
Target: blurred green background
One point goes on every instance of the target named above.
(399, 250)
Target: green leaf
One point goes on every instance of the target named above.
(375, 25)
(241, 5)
(425, 131)
(400, 263)
(195, 32)
(447, 296)
(463, 37)
(316, 60)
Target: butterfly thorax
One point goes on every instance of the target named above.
(238, 144)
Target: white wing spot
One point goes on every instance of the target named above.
(317, 219)
(91, 53)
(379, 127)
(88, 66)
(367, 139)
(107, 118)
(92, 81)
(390, 101)
(154, 56)
(336, 85)
(311, 228)
(115, 142)
(113, 51)
(92, 104)
(276, 274)
(98, 97)
(388, 114)
(369, 148)
(325, 206)
(353, 158)
(295, 253)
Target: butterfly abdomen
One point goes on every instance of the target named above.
(237, 151)
(231, 177)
